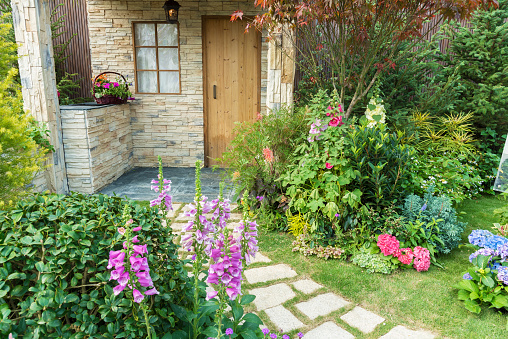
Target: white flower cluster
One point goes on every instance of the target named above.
(379, 110)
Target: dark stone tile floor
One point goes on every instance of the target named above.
(135, 184)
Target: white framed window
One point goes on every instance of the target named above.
(156, 57)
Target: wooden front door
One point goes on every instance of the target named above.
(232, 81)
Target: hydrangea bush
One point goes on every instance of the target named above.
(487, 281)
(387, 255)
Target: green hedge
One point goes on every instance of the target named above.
(53, 278)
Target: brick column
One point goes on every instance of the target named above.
(37, 71)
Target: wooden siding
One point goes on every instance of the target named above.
(76, 22)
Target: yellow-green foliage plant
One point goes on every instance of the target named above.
(20, 158)
(297, 225)
(450, 133)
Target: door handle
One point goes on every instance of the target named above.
(214, 91)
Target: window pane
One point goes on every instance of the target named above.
(145, 58)
(169, 82)
(168, 58)
(144, 34)
(167, 34)
(147, 82)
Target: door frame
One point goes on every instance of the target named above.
(205, 80)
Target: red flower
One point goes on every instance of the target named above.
(328, 165)
(319, 47)
(336, 121)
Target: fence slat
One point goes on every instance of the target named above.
(79, 60)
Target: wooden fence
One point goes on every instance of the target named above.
(431, 27)
(75, 27)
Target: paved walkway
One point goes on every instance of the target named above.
(135, 184)
(292, 303)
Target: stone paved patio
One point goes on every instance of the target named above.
(295, 303)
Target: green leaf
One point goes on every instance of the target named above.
(237, 311)
(210, 332)
(167, 336)
(247, 299)
(500, 301)
(488, 281)
(252, 318)
(463, 295)
(472, 306)
(17, 216)
(249, 334)
(467, 285)
(39, 266)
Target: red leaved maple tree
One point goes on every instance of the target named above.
(359, 38)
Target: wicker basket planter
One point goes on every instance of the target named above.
(109, 99)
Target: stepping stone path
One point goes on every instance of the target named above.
(294, 303)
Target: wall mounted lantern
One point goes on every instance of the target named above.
(171, 9)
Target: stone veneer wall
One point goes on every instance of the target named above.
(167, 125)
(97, 144)
(37, 73)
(281, 69)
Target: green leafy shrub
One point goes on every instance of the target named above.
(382, 162)
(457, 176)
(54, 282)
(262, 151)
(436, 209)
(478, 55)
(317, 181)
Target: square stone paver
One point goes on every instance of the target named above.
(235, 216)
(268, 273)
(272, 296)
(171, 213)
(401, 332)
(260, 258)
(283, 318)
(328, 330)
(321, 305)
(362, 319)
(306, 286)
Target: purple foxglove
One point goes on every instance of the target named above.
(116, 259)
(115, 274)
(151, 291)
(213, 278)
(232, 293)
(188, 226)
(123, 279)
(140, 249)
(138, 296)
(211, 295)
(135, 239)
(135, 263)
(137, 229)
(226, 278)
(118, 289)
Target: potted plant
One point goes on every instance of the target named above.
(111, 92)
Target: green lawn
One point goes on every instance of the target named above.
(417, 300)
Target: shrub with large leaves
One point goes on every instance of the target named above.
(53, 279)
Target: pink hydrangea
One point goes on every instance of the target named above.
(388, 244)
(405, 256)
(422, 258)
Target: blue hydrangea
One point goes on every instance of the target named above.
(478, 237)
(502, 251)
(495, 265)
(467, 276)
(502, 274)
(482, 251)
(495, 241)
